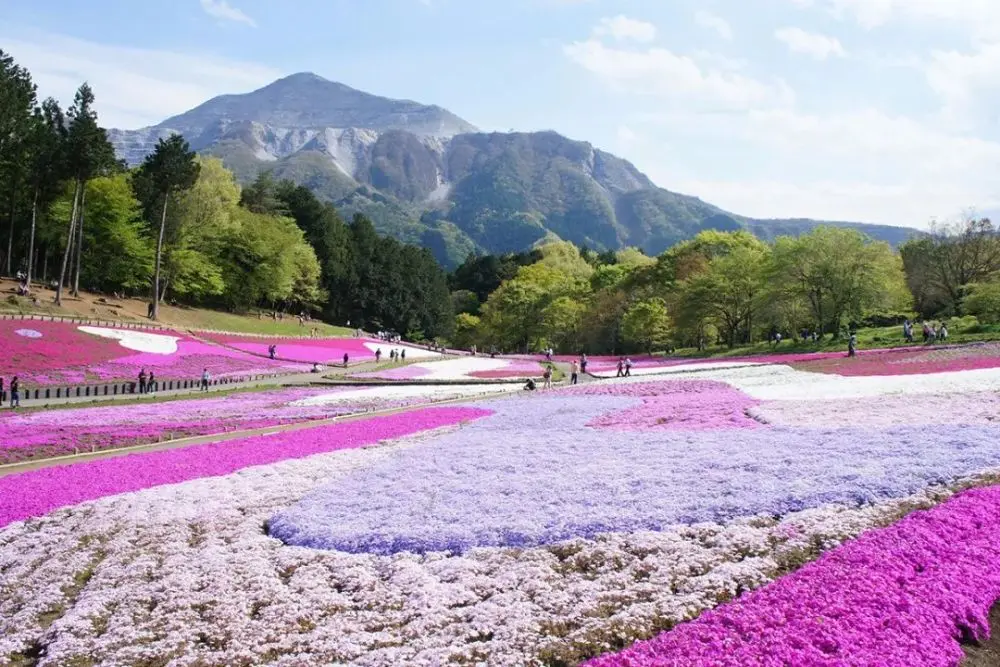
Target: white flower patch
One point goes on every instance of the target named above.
(779, 382)
(28, 333)
(388, 393)
(459, 369)
(411, 352)
(679, 368)
(140, 341)
(186, 574)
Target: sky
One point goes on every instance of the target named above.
(882, 111)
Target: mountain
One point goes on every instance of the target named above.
(427, 176)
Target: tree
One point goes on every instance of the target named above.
(646, 324)
(17, 103)
(119, 254)
(87, 154)
(840, 273)
(954, 257)
(731, 290)
(169, 169)
(466, 331)
(983, 301)
(46, 166)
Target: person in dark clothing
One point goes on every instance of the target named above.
(151, 383)
(345, 359)
(142, 381)
(378, 355)
(272, 350)
(149, 311)
(621, 368)
(15, 393)
(402, 355)
(529, 385)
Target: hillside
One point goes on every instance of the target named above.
(425, 176)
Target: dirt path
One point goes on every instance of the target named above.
(986, 654)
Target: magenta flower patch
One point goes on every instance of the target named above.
(38, 492)
(900, 596)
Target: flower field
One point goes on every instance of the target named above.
(63, 353)
(457, 370)
(320, 350)
(40, 434)
(718, 515)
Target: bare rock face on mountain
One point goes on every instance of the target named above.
(428, 177)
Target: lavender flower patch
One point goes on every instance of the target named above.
(185, 570)
(534, 474)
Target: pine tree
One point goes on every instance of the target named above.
(168, 170)
(88, 153)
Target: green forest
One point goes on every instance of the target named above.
(180, 228)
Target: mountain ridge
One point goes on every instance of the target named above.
(427, 176)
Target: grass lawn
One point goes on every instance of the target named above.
(95, 306)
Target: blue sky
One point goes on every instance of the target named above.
(871, 110)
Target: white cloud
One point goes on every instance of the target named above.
(679, 78)
(623, 28)
(865, 166)
(811, 44)
(968, 84)
(714, 22)
(981, 17)
(134, 87)
(222, 10)
(626, 134)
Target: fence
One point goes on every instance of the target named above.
(128, 388)
(85, 321)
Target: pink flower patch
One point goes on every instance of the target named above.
(696, 405)
(38, 492)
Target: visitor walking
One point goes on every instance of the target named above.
(151, 383)
(272, 350)
(205, 377)
(574, 373)
(852, 345)
(908, 331)
(583, 363)
(628, 367)
(402, 354)
(15, 393)
(345, 359)
(142, 381)
(378, 355)
(943, 333)
(621, 368)
(547, 376)
(2, 397)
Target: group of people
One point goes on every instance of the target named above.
(576, 367)
(15, 392)
(394, 356)
(932, 333)
(147, 383)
